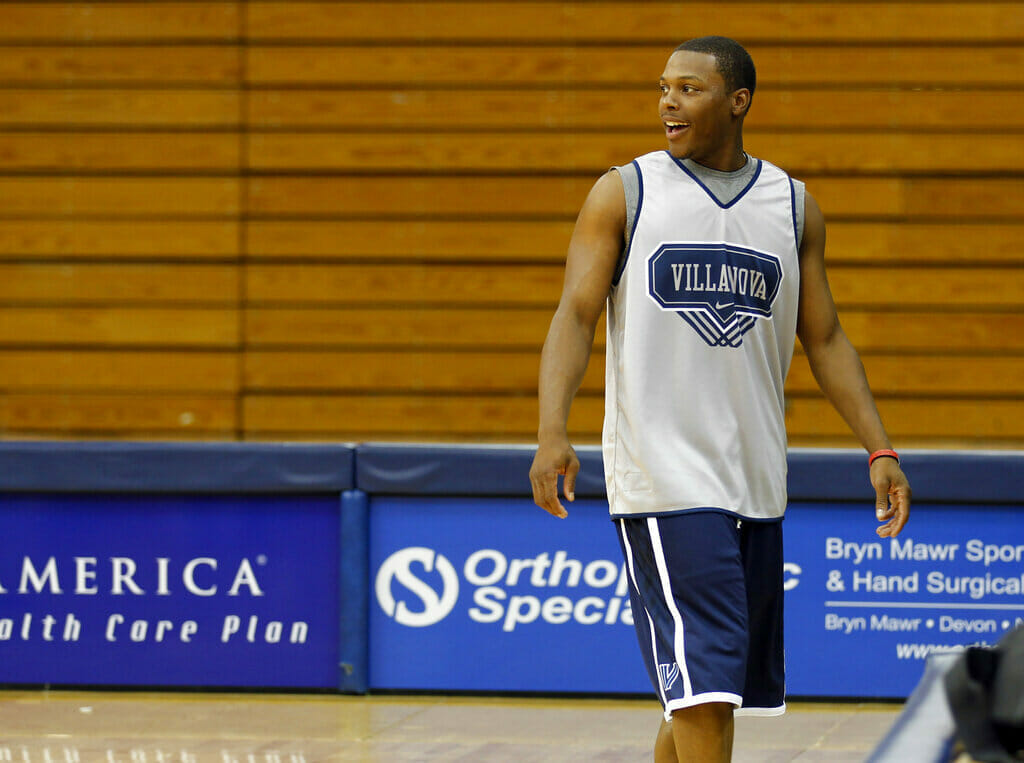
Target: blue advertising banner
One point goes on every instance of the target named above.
(169, 590)
(864, 613)
(428, 567)
(493, 594)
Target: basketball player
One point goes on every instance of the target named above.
(711, 263)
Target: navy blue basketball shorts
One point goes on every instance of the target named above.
(706, 594)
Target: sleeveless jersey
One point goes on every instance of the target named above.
(701, 329)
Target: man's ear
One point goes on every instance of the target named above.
(740, 102)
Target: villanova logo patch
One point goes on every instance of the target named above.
(719, 289)
(669, 672)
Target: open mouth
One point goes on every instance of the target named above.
(674, 128)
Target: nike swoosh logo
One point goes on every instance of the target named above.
(723, 305)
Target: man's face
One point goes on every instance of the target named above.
(696, 108)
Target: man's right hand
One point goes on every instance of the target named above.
(551, 460)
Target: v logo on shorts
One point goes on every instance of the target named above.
(669, 673)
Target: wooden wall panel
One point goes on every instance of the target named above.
(353, 197)
(149, 21)
(62, 328)
(875, 65)
(130, 415)
(447, 285)
(67, 108)
(64, 153)
(77, 239)
(348, 219)
(159, 196)
(120, 371)
(406, 240)
(118, 66)
(938, 242)
(525, 107)
(938, 288)
(515, 372)
(518, 152)
(440, 371)
(837, 22)
(948, 243)
(213, 285)
(399, 328)
(945, 331)
(530, 285)
(380, 197)
(408, 416)
(920, 420)
(120, 239)
(514, 418)
(927, 376)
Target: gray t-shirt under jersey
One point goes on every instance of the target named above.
(725, 186)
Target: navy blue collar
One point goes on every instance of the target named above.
(698, 181)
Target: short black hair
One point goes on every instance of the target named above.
(734, 63)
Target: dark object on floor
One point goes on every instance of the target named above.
(985, 688)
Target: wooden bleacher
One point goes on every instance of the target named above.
(347, 220)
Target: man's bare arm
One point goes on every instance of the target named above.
(840, 373)
(590, 266)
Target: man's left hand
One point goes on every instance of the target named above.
(892, 496)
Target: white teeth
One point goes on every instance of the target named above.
(676, 124)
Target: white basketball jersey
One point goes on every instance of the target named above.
(701, 329)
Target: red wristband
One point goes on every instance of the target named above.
(881, 453)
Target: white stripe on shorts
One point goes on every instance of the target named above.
(679, 637)
(650, 622)
(762, 712)
(706, 697)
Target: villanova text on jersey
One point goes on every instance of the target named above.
(720, 289)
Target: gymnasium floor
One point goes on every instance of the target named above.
(117, 727)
